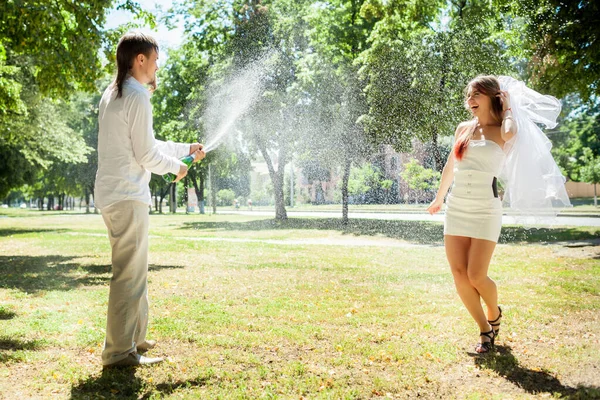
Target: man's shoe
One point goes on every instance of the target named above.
(147, 345)
(133, 360)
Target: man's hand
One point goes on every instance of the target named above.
(198, 155)
(183, 170)
(196, 151)
(194, 147)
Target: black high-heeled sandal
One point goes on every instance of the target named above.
(496, 322)
(486, 347)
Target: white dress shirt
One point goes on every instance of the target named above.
(127, 151)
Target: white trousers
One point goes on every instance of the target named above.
(127, 318)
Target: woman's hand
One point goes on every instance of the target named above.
(435, 206)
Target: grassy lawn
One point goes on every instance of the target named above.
(583, 206)
(247, 307)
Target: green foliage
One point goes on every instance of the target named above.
(386, 184)
(363, 179)
(49, 51)
(39, 141)
(60, 39)
(420, 178)
(558, 41)
(313, 171)
(418, 64)
(15, 168)
(590, 170)
(579, 131)
(225, 197)
(10, 89)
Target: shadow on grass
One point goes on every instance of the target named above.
(12, 344)
(124, 384)
(9, 346)
(18, 231)
(532, 381)
(420, 232)
(33, 274)
(515, 234)
(34, 212)
(6, 314)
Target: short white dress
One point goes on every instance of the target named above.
(473, 208)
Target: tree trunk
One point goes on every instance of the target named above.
(439, 162)
(186, 200)
(200, 194)
(345, 180)
(162, 197)
(595, 196)
(277, 179)
(213, 189)
(280, 211)
(94, 200)
(199, 188)
(173, 198)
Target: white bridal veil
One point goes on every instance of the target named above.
(534, 185)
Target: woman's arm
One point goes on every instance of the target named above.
(447, 176)
(509, 126)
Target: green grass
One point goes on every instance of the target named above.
(582, 205)
(248, 307)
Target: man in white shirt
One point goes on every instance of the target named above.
(127, 155)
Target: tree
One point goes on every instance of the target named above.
(224, 38)
(225, 197)
(418, 178)
(420, 60)
(558, 40)
(331, 89)
(34, 143)
(315, 174)
(48, 51)
(578, 130)
(272, 123)
(363, 179)
(590, 171)
(61, 39)
(83, 119)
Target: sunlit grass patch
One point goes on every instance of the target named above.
(246, 307)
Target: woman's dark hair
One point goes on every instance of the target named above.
(130, 46)
(487, 85)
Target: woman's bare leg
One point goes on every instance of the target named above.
(480, 255)
(458, 250)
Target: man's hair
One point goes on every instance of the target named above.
(130, 46)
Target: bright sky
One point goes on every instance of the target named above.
(165, 38)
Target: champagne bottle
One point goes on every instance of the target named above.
(187, 160)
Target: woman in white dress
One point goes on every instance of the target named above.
(473, 209)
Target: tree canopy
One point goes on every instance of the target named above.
(339, 79)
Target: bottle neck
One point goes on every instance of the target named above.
(188, 160)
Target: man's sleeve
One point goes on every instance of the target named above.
(177, 150)
(146, 150)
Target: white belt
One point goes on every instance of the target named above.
(473, 184)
